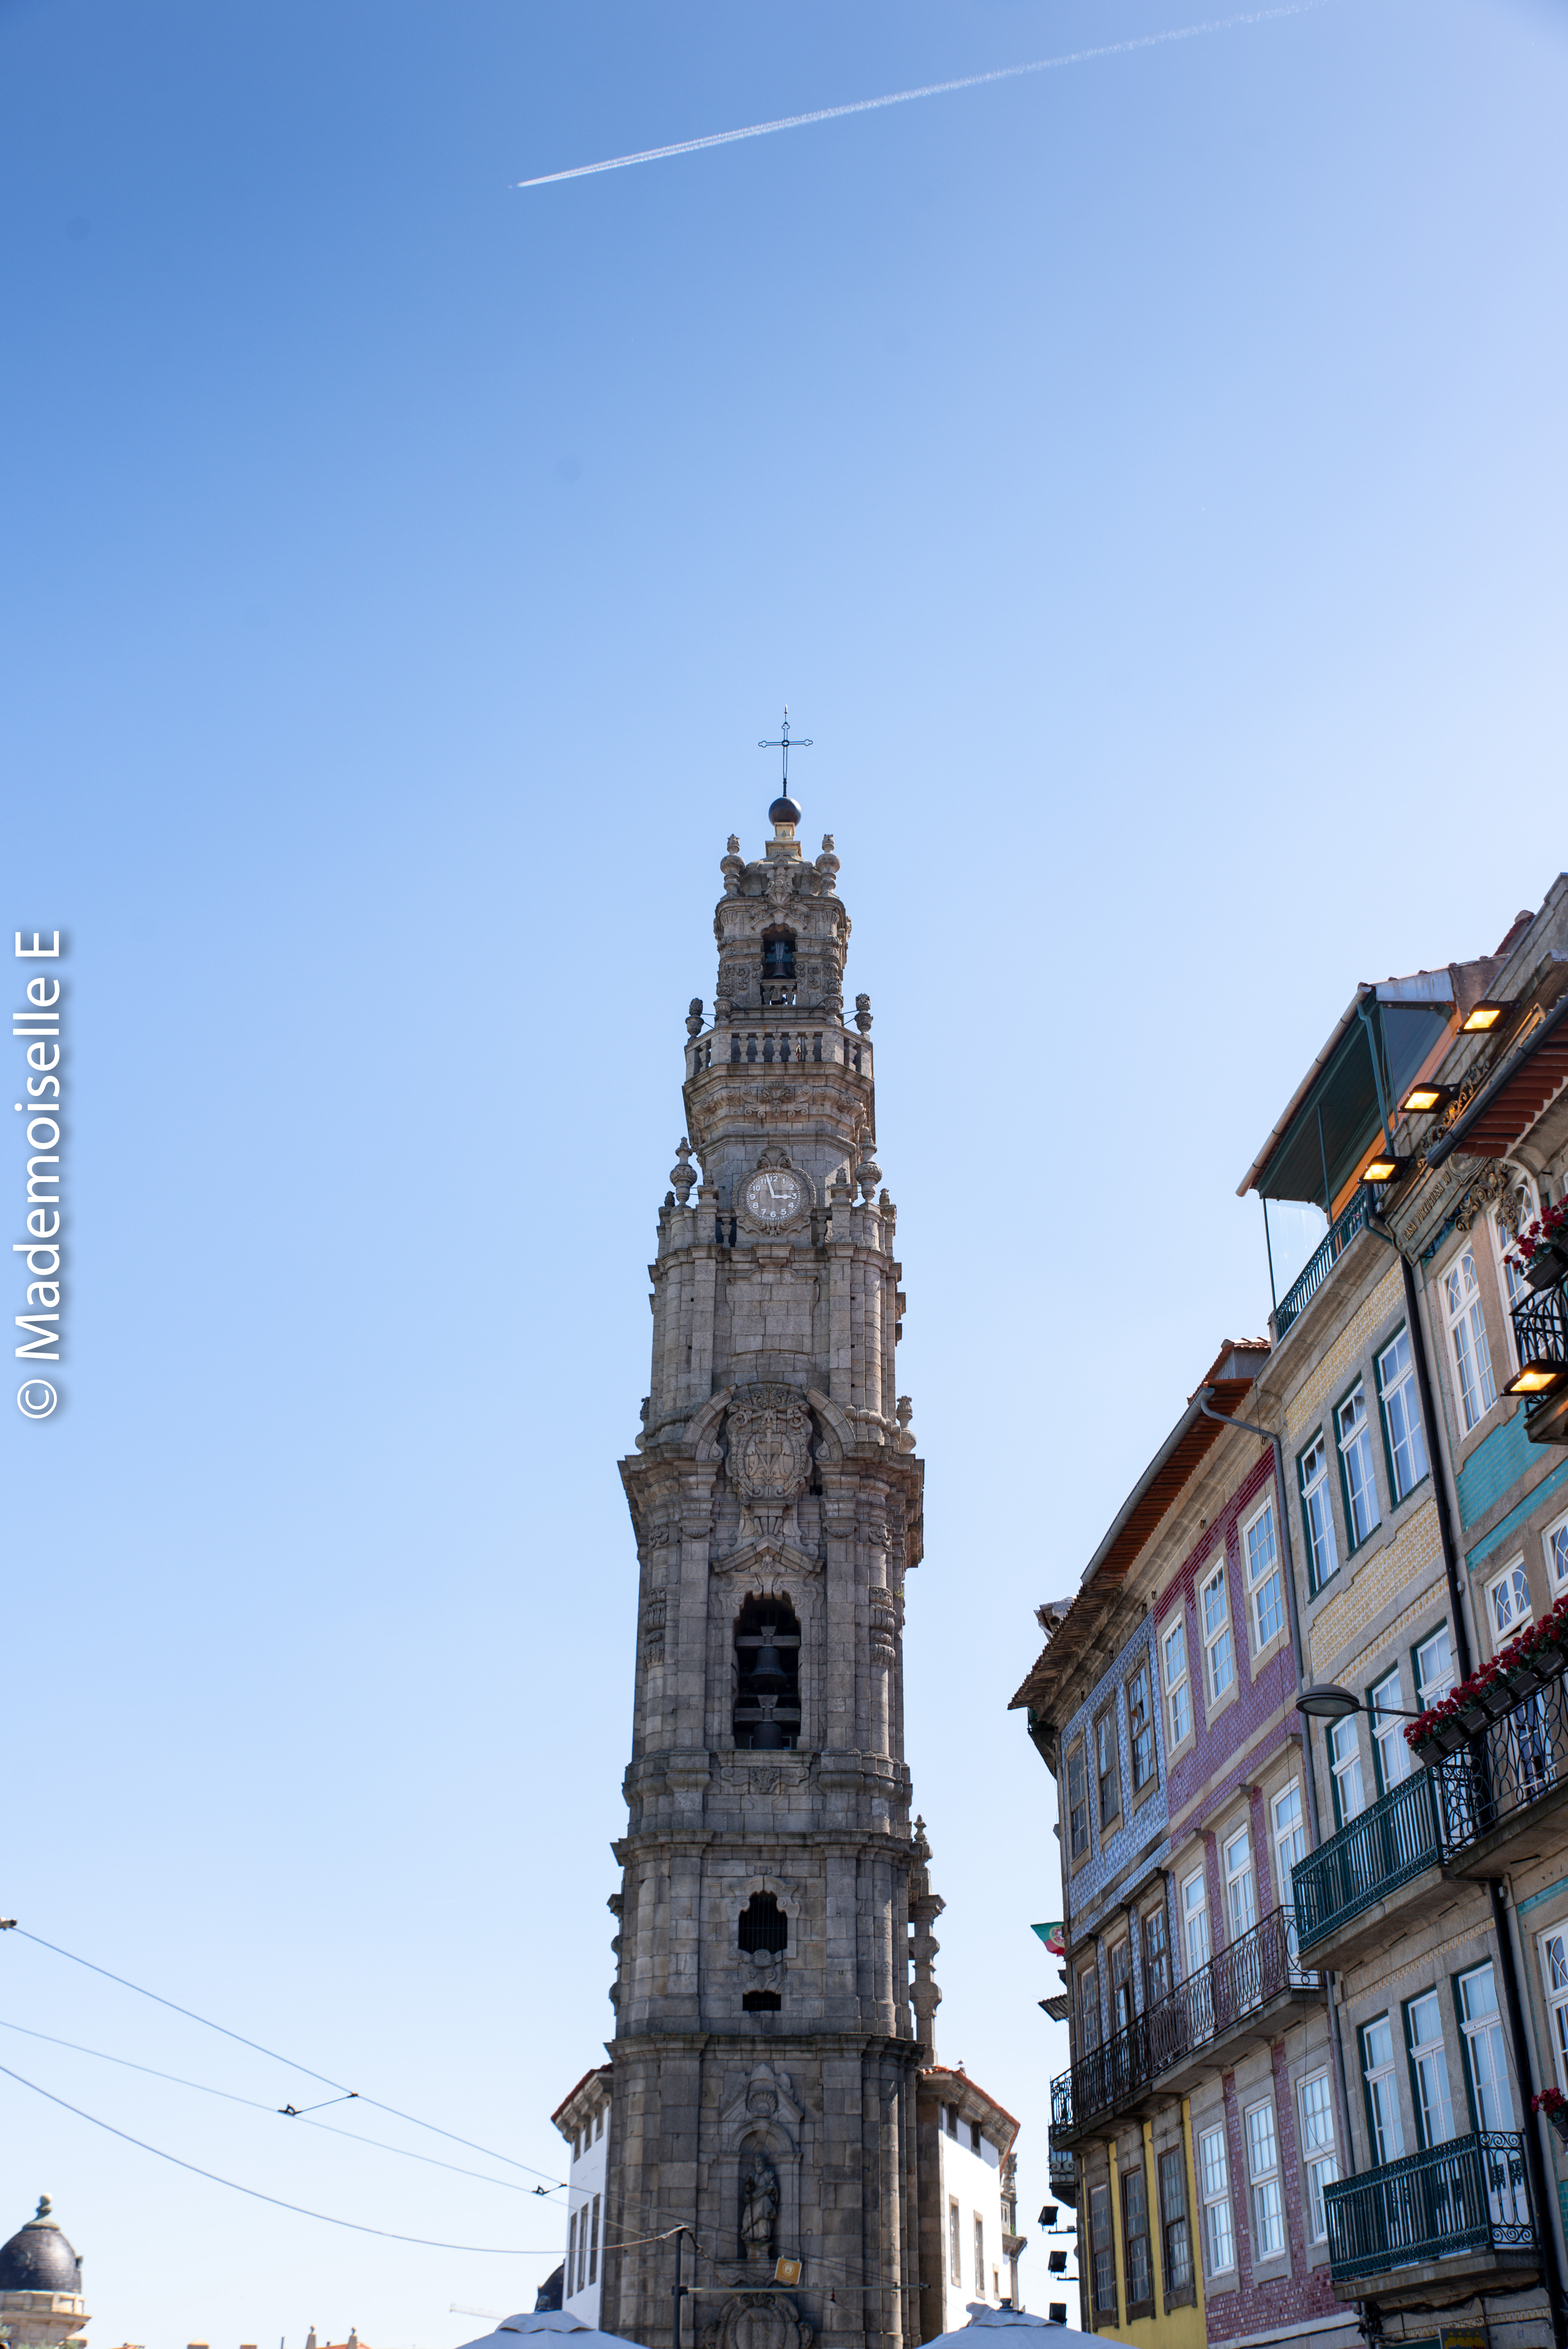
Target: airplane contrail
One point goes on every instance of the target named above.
(930, 90)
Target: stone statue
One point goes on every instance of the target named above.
(759, 2207)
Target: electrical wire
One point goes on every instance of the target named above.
(387, 2234)
(255, 2106)
(10, 1925)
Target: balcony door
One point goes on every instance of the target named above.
(1492, 2096)
(1244, 1974)
(1195, 1954)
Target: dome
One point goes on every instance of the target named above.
(784, 810)
(39, 2259)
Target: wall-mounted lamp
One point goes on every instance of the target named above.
(1383, 1167)
(1328, 1703)
(1533, 1378)
(1483, 1018)
(1421, 1101)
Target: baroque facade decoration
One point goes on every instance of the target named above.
(766, 2041)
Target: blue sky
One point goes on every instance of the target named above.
(1144, 481)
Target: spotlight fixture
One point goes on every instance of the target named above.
(1383, 1167)
(1535, 1378)
(1422, 1101)
(1483, 1018)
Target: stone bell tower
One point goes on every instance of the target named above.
(768, 2031)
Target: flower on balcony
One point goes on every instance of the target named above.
(1549, 2100)
(1550, 1635)
(1548, 1232)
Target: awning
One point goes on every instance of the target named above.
(1504, 1109)
(1332, 1120)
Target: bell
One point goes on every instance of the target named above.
(768, 1670)
(769, 1736)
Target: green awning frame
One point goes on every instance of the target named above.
(1331, 1127)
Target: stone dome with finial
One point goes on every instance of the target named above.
(39, 2259)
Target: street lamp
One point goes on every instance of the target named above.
(1331, 1703)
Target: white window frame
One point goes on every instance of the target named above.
(955, 2248)
(1508, 1607)
(1319, 2149)
(1356, 1443)
(1292, 1832)
(1382, 2077)
(1511, 1285)
(1219, 1639)
(1264, 2178)
(1090, 2016)
(1178, 1685)
(1142, 1672)
(1317, 1506)
(1344, 1766)
(1432, 1686)
(1195, 1913)
(1486, 2024)
(979, 2256)
(1120, 1991)
(1554, 1550)
(1388, 1730)
(1240, 1914)
(1429, 2050)
(1213, 2167)
(1469, 1349)
(1265, 1577)
(1400, 1394)
(1551, 1951)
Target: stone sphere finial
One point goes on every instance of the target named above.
(681, 1175)
(864, 1014)
(693, 1016)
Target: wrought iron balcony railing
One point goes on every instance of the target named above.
(1311, 1279)
(1470, 2195)
(1504, 1768)
(1252, 1971)
(1389, 1843)
(1540, 1326)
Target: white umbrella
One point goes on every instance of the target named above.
(984, 2318)
(548, 2321)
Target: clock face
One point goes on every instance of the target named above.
(773, 1196)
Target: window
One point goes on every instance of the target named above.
(1317, 2150)
(1137, 2264)
(1401, 1416)
(1467, 1336)
(1266, 1584)
(1482, 2029)
(1356, 1454)
(1107, 1768)
(979, 2255)
(1077, 1803)
(1140, 1729)
(1122, 1986)
(1290, 1843)
(1178, 1693)
(1429, 2070)
(1555, 1981)
(593, 2243)
(1262, 2172)
(1219, 1650)
(1510, 1279)
(599, 2123)
(1156, 1958)
(1322, 1556)
(1434, 1668)
(767, 1715)
(976, 2138)
(1089, 2007)
(1344, 1768)
(1391, 1753)
(1241, 1886)
(1102, 2252)
(1174, 2222)
(762, 1925)
(1508, 1607)
(954, 2267)
(1214, 2184)
(952, 2113)
(1195, 1922)
(1554, 1541)
(572, 2253)
(1382, 2091)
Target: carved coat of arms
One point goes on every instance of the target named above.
(769, 1445)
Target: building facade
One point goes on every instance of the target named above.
(774, 1992)
(966, 2141)
(583, 2118)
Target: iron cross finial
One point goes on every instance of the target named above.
(783, 743)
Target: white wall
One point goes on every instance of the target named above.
(585, 2256)
(971, 2179)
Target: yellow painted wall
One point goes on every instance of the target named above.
(1184, 2327)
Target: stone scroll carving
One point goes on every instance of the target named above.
(768, 1432)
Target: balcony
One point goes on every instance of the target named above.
(1388, 1857)
(1236, 2002)
(1512, 1772)
(1541, 1342)
(1063, 2175)
(1433, 2223)
(1333, 1246)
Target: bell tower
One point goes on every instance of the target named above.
(768, 2033)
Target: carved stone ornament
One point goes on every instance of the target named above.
(758, 2321)
(769, 1434)
(1499, 1181)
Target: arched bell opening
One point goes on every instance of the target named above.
(767, 1718)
